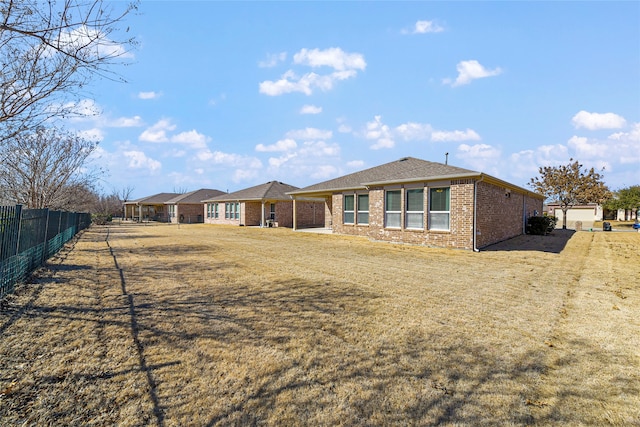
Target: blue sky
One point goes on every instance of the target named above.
(228, 95)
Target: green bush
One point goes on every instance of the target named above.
(541, 225)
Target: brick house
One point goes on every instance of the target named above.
(189, 207)
(265, 205)
(148, 208)
(416, 201)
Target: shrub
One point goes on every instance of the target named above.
(541, 225)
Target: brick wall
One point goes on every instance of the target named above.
(460, 234)
(190, 213)
(500, 216)
(310, 214)
(502, 213)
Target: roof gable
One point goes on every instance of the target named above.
(402, 170)
(272, 190)
(194, 197)
(158, 199)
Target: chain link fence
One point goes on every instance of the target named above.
(28, 237)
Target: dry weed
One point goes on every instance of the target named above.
(214, 325)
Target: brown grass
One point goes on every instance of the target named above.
(213, 325)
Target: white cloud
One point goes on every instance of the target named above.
(324, 172)
(319, 149)
(469, 71)
(191, 138)
(345, 66)
(310, 109)
(149, 95)
(333, 57)
(92, 43)
(342, 128)
(291, 82)
(94, 134)
(273, 59)
(228, 159)
(310, 133)
(595, 121)
(157, 132)
(355, 164)
(138, 160)
(414, 131)
(456, 135)
(424, 27)
(379, 132)
(481, 157)
(282, 145)
(277, 162)
(126, 122)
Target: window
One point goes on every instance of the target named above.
(393, 206)
(415, 208)
(348, 209)
(363, 209)
(208, 210)
(236, 210)
(227, 211)
(172, 210)
(272, 212)
(215, 210)
(439, 208)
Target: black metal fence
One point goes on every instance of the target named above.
(28, 237)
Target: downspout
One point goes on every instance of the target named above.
(475, 212)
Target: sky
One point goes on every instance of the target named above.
(228, 95)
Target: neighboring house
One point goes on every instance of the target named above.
(416, 201)
(148, 208)
(189, 207)
(265, 205)
(586, 214)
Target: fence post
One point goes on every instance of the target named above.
(45, 248)
(19, 218)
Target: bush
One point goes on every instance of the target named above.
(541, 225)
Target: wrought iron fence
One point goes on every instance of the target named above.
(28, 237)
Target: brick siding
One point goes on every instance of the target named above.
(499, 217)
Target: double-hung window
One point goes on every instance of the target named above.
(215, 210)
(363, 209)
(439, 211)
(415, 208)
(392, 208)
(348, 208)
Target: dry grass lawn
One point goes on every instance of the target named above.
(209, 325)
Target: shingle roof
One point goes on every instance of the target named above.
(402, 170)
(156, 199)
(194, 197)
(272, 190)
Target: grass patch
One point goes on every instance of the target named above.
(215, 325)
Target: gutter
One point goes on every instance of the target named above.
(475, 212)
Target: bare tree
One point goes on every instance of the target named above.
(125, 195)
(47, 168)
(49, 51)
(569, 185)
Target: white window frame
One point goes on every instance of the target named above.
(351, 212)
(359, 212)
(408, 213)
(441, 212)
(394, 213)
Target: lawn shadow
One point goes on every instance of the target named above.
(555, 242)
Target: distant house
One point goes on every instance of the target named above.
(148, 208)
(416, 201)
(189, 207)
(265, 205)
(586, 214)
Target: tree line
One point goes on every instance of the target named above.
(50, 51)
